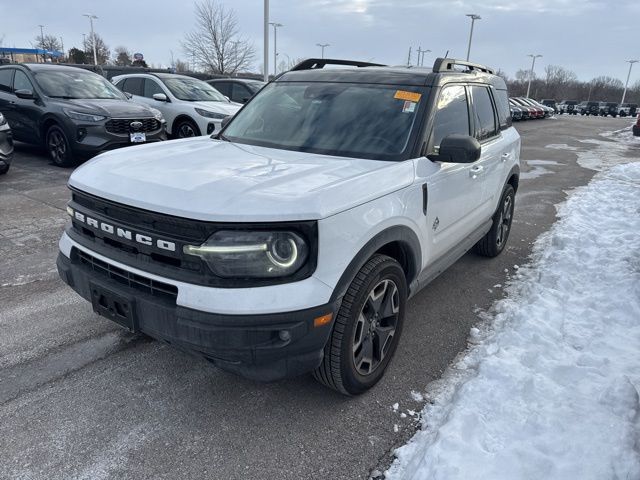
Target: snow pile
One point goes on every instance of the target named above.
(551, 392)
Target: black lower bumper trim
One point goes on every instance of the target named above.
(264, 347)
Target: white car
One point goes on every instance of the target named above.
(292, 241)
(190, 106)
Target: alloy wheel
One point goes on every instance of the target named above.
(504, 223)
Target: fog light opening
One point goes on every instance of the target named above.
(284, 335)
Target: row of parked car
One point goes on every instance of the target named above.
(523, 108)
(76, 113)
(603, 109)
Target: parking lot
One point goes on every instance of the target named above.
(82, 398)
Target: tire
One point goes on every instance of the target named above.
(4, 169)
(492, 244)
(373, 307)
(186, 129)
(58, 148)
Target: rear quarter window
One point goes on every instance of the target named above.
(504, 112)
(6, 74)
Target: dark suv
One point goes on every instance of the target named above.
(589, 108)
(238, 90)
(608, 108)
(73, 112)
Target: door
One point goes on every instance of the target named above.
(7, 102)
(454, 189)
(26, 112)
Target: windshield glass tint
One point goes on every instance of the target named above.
(193, 90)
(76, 84)
(343, 119)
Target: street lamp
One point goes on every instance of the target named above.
(93, 36)
(421, 56)
(533, 63)
(266, 40)
(624, 93)
(323, 46)
(42, 40)
(473, 18)
(275, 26)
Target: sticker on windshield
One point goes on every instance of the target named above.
(410, 96)
(409, 107)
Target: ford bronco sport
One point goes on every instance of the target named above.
(291, 241)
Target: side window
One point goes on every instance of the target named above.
(6, 74)
(223, 87)
(483, 113)
(151, 87)
(240, 93)
(452, 114)
(504, 112)
(21, 81)
(120, 84)
(133, 86)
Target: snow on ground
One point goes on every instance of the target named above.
(549, 390)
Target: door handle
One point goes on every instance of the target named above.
(475, 171)
(505, 156)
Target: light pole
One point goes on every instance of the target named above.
(275, 26)
(624, 93)
(473, 18)
(93, 36)
(42, 40)
(533, 63)
(421, 56)
(323, 46)
(266, 40)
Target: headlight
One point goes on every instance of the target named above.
(157, 114)
(254, 254)
(208, 114)
(2, 119)
(84, 117)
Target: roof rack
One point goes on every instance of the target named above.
(447, 65)
(317, 63)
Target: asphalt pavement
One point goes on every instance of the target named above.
(82, 398)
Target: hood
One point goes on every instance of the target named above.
(212, 180)
(107, 107)
(226, 108)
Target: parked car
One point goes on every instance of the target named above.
(547, 111)
(6, 145)
(535, 111)
(528, 112)
(73, 112)
(190, 106)
(516, 112)
(549, 102)
(568, 106)
(589, 108)
(627, 109)
(636, 127)
(608, 108)
(292, 241)
(238, 90)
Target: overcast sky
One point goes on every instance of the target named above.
(590, 37)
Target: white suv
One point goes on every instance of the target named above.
(292, 241)
(190, 106)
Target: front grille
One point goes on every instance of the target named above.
(124, 277)
(122, 126)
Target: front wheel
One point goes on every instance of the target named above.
(186, 129)
(492, 244)
(58, 147)
(367, 328)
(4, 169)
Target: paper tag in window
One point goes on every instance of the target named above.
(408, 106)
(404, 95)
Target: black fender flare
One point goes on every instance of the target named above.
(401, 234)
(515, 170)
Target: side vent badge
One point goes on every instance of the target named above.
(436, 222)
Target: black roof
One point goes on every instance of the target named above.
(234, 79)
(391, 75)
(38, 67)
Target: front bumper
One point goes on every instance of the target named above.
(6, 147)
(264, 347)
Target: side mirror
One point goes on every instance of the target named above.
(161, 97)
(225, 120)
(245, 99)
(25, 94)
(128, 95)
(458, 148)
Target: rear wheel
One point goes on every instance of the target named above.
(58, 147)
(496, 238)
(367, 328)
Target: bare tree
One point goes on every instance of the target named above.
(49, 42)
(215, 44)
(181, 66)
(122, 57)
(102, 50)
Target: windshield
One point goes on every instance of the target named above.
(76, 84)
(342, 119)
(193, 90)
